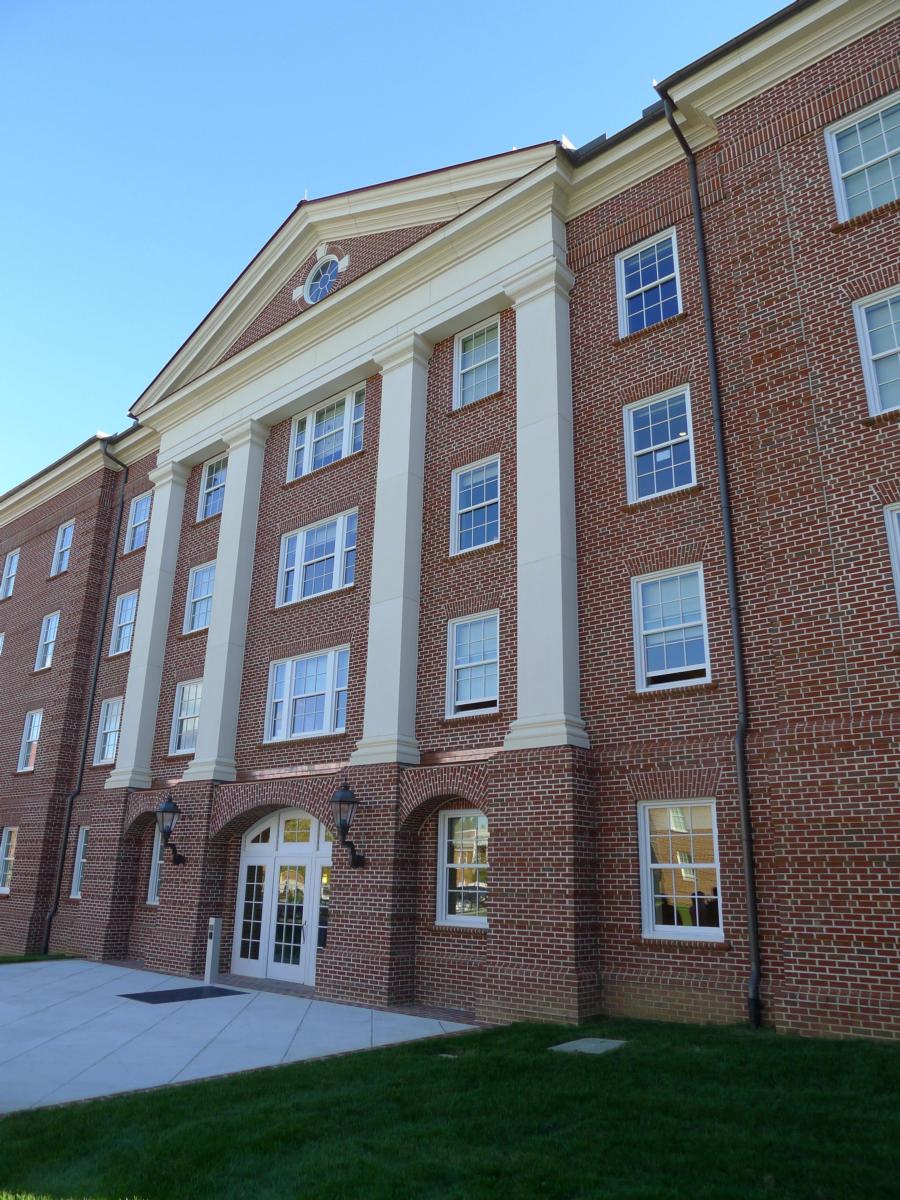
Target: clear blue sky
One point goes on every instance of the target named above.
(150, 147)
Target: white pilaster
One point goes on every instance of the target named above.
(547, 672)
(148, 646)
(389, 723)
(225, 642)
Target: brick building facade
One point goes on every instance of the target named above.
(431, 502)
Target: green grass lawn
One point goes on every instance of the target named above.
(6, 959)
(680, 1111)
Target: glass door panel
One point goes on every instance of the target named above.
(287, 945)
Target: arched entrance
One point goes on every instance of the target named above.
(283, 894)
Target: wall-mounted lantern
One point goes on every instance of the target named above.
(343, 805)
(167, 818)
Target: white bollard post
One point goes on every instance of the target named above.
(213, 938)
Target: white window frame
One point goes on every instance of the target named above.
(330, 729)
(46, 646)
(78, 864)
(834, 162)
(157, 858)
(178, 716)
(191, 600)
(449, 709)
(350, 398)
(62, 551)
(865, 347)
(637, 625)
(457, 359)
(340, 559)
(629, 252)
(134, 525)
(2, 641)
(9, 835)
(631, 453)
(649, 928)
(119, 625)
(29, 728)
(892, 520)
(455, 509)
(206, 491)
(103, 730)
(10, 570)
(443, 917)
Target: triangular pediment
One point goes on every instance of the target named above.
(358, 230)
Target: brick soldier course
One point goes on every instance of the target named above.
(578, 749)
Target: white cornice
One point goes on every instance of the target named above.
(438, 196)
(73, 470)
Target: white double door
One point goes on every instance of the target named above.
(281, 919)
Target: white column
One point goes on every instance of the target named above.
(225, 642)
(389, 723)
(148, 646)
(549, 703)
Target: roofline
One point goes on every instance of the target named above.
(654, 112)
(309, 204)
(111, 439)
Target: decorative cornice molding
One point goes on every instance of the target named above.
(169, 473)
(551, 275)
(412, 347)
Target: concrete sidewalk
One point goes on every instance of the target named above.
(68, 1033)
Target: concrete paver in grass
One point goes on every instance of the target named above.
(69, 1032)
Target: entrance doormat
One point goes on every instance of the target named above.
(175, 995)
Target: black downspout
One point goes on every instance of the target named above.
(737, 638)
(92, 693)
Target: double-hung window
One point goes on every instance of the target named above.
(462, 868)
(108, 728)
(679, 857)
(307, 695)
(198, 606)
(476, 506)
(878, 330)
(8, 579)
(186, 717)
(138, 522)
(31, 735)
(63, 548)
(647, 283)
(892, 517)
(477, 364)
(326, 434)
(659, 449)
(123, 623)
(473, 665)
(2, 640)
(157, 855)
(671, 643)
(212, 488)
(864, 155)
(80, 859)
(8, 837)
(320, 558)
(47, 641)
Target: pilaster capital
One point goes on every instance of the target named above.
(411, 347)
(246, 432)
(549, 275)
(170, 474)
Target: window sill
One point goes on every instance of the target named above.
(304, 738)
(461, 927)
(279, 608)
(642, 333)
(187, 635)
(687, 689)
(101, 766)
(134, 550)
(866, 217)
(290, 483)
(182, 754)
(464, 408)
(41, 670)
(203, 520)
(4, 891)
(659, 941)
(483, 715)
(663, 498)
(24, 771)
(57, 574)
(475, 551)
(118, 653)
(888, 417)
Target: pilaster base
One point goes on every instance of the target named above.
(136, 778)
(386, 750)
(561, 730)
(221, 769)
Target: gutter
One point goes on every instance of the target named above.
(737, 638)
(91, 696)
